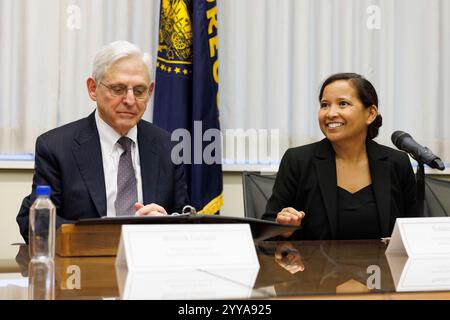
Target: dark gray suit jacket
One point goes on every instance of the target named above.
(69, 159)
(307, 181)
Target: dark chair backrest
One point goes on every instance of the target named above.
(257, 190)
(437, 197)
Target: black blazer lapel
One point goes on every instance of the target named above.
(149, 159)
(86, 150)
(326, 173)
(380, 170)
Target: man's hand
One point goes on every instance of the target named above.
(151, 209)
(290, 216)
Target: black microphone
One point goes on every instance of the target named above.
(405, 142)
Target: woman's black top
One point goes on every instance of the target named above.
(357, 215)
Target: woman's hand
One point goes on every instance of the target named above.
(290, 216)
(288, 257)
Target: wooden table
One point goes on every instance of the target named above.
(288, 270)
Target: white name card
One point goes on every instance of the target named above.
(186, 246)
(419, 274)
(421, 237)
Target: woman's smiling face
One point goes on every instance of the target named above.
(342, 115)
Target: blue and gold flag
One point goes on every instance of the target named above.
(186, 94)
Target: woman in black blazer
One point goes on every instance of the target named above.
(346, 186)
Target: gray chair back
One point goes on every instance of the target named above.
(437, 197)
(257, 190)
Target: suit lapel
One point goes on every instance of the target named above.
(326, 173)
(149, 159)
(381, 182)
(87, 152)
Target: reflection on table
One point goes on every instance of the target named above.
(419, 274)
(186, 284)
(304, 269)
(41, 279)
(323, 267)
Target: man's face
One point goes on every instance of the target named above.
(117, 104)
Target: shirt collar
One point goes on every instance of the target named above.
(109, 136)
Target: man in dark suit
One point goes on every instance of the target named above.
(112, 162)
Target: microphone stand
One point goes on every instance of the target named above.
(420, 180)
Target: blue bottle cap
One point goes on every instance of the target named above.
(43, 191)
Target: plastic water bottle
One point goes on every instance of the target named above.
(42, 226)
(41, 279)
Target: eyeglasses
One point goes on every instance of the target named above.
(120, 90)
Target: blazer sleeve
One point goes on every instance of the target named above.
(285, 187)
(181, 197)
(46, 172)
(409, 188)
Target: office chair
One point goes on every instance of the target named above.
(437, 197)
(257, 190)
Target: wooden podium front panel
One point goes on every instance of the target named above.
(87, 240)
(85, 277)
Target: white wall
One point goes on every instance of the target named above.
(14, 185)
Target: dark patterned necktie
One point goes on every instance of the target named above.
(126, 181)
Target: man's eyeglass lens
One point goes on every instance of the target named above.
(140, 92)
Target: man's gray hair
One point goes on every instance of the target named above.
(115, 51)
